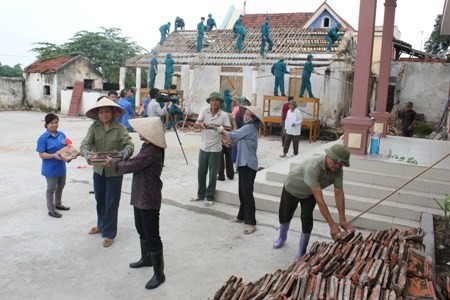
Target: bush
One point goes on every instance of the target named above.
(422, 129)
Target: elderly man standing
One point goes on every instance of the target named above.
(304, 185)
(209, 119)
(265, 37)
(292, 128)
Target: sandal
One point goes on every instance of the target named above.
(249, 229)
(107, 242)
(94, 230)
(283, 155)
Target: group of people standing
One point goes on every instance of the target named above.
(106, 134)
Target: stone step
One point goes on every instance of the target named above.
(370, 221)
(358, 202)
(419, 192)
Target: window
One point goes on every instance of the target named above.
(88, 84)
(326, 22)
(46, 90)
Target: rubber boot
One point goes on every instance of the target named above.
(302, 245)
(146, 259)
(284, 227)
(158, 269)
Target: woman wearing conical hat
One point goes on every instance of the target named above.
(106, 135)
(146, 196)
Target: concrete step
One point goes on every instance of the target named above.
(376, 185)
(370, 221)
(358, 202)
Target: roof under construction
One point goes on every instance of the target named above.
(219, 48)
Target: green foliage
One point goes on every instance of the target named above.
(7, 71)
(422, 129)
(437, 42)
(106, 50)
(445, 206)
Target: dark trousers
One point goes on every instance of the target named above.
(288, 205)
(287, 142)
(283, 133)
(247, 209)
(147, 225)
(306, 84)
(226, 163)
(279, 83)
(208, 162)
(107, 194)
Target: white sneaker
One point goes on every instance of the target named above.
(209, 202)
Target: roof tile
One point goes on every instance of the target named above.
(49, 65)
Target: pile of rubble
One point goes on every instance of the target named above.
(389, 264)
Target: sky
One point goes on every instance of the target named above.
(25, 22)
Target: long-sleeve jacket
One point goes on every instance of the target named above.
(307, 70)
(333, 34)
(279, 69)
(246, 139)
(200, 29)
(165, 29)
(153, 65)
(293, 117)
(265, 30)
(99, 139)
(146, 167)
(169, 64)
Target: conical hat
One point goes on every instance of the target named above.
(105, 102)
(151, 129)
(257, 112)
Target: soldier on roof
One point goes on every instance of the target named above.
(164, 30)
(265, 36)
(200, 33)
(179, 23)
(210, 23)
(333, 36)
(237, 24)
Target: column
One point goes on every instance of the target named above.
(356, 127)
(254, 86)
(138, 87)
(123, 71)
(380, 114)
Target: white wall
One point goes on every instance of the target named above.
(426, 84)
(11, 92)
(88, 100)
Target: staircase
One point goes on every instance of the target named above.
(367, 181)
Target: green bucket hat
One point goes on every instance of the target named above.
(215, 95)
(235, 99)
(409, 103)
(293, 103)
(339, 153)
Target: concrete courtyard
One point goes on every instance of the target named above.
(48, 258)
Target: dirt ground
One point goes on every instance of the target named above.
(442, 246)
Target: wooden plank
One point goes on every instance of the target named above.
(77, 96)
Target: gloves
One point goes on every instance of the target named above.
(125, 154)
(219, 129)
(87, 155)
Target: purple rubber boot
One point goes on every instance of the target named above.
(284, 227)
(302, 245)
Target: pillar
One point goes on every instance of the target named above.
(254, 86)
(357, 125)
(380, 115)
(138, 87)
(123, 71)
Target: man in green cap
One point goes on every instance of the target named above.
(210, 23)
(304, 185)
(333, 35)
(209, 119)
(153, 70)
(200, 33)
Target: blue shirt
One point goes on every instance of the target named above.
(246, 139)
(201, 28)
(50, 144)
(129, 111)
(153, 64)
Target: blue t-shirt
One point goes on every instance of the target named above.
(129, 111)
(51, 144)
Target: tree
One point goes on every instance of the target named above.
(7, 71)
(437, 42)
(106, 50)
